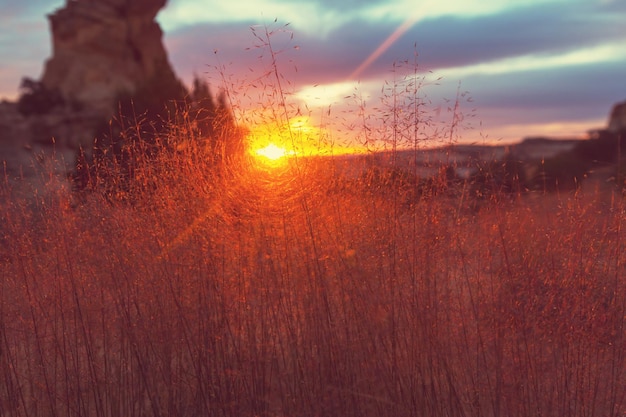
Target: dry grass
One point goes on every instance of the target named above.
(272, 293)
(269, 298)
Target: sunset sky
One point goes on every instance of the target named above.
(531, 67)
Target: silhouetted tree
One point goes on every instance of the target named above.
(143, 127)
(228, 137)
(214, 123)
(35, 98)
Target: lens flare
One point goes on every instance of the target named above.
(385, 45)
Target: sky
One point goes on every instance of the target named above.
(514, 68)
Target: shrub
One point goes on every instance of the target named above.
(597, 151)
(498, 178)
(148, 124)
(36, 99)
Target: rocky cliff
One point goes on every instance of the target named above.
(102, 48)
(617, 119)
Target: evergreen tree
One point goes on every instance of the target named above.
(35, 98)
(202, 109)
(143, 127)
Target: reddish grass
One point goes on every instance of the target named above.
(250, 292)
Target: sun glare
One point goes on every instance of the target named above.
(271, 155)
(272, 152)
(277, 145)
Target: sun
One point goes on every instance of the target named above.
(272, 152)
(271, 155)
(277, 145)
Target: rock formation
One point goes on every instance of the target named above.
(102, 48)
(617, 119)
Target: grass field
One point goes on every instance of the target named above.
(289, 290)
(272, 293)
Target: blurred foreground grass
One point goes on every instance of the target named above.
(289, 293)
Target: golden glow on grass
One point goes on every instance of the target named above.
(273, 146)
(268, 150)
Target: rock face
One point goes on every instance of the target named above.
(617, 120)
(47, 141)
(102, 48)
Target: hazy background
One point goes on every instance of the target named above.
(531, 67)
